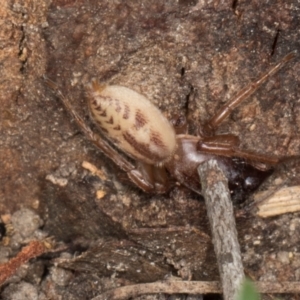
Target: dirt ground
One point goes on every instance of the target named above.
(188, 57)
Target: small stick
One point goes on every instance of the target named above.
(166, 287)
(33, 249)
(221, 217)
(191, 287)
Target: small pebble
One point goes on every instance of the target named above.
(20, 291)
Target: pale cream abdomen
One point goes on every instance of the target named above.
(135, 125)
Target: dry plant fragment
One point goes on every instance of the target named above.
(33, 249)
(100, 194)
(94, 170)
(283, 201)
(192, 288)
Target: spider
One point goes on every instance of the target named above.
(159, 156)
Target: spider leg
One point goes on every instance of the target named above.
(227, 140)
(147, 177)
(103, 145)
(225, 110)
(150, 178)
(219, 145)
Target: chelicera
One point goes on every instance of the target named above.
(160, 156)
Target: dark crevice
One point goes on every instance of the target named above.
(22, 60)
(187, 98)
(182, 71)
(234, 4)
(212, 297)
(274, 45)
(187, 106)
(21, 48)
(2, 230)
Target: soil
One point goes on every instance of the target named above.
(188, 58)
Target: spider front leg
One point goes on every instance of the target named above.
(227, 145)
(224, 112)
(147, 177)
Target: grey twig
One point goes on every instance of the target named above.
(221, 217)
